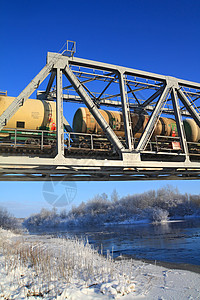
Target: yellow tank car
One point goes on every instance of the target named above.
(33, 115)
(84, 122)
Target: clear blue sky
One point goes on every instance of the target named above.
(151, 35)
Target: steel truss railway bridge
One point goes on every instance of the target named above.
(96, 84)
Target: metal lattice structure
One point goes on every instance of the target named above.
(97, 85)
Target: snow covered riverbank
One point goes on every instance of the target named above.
(38, 267)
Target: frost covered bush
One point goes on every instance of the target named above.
(44, 218)
(98, 205)
(159, 215)
(155, 206)
(7, 221)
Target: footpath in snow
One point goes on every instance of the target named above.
(42, 267)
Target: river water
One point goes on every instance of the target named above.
(173, 242)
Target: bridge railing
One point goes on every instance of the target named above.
(168, 143)
(86, 141)
(15, 138)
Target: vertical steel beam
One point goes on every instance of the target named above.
(152, 120)
(59, 113)
(179, 123)
(126, 112)
(93, 109)
(189, 106)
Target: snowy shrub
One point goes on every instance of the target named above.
(7, 221)
(114, 196)
(159, 215)
(63, 214)
(194, 201)
(167, 197)
(44, 218)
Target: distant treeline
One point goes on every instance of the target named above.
(152, 206)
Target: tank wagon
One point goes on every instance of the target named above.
(84, 122)
(33, 115)
(34, 123)
(34, 127)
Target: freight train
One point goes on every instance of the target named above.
(33, 128)
(33, 115)
(84, 122)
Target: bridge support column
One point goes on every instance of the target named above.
(59, 114)
(179, 123)
(126, 112)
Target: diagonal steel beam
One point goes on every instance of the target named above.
(179, 123)
(96, 77)
(154, 96)
(117, 95)
(189, 106)
(51, 80)
(86, 88)
(130, 89)
(31, 87)
(107, 86)
(93, 109)
(152, 120)
(84, 81)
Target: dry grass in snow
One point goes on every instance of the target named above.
(42, 267)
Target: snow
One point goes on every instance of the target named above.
(130, 221)
(42, 267)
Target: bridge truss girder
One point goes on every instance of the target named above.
(164, 95)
